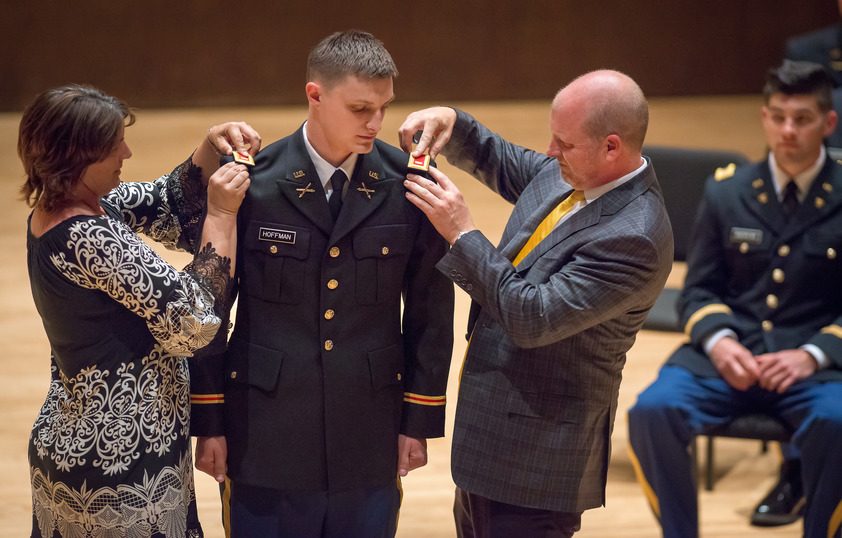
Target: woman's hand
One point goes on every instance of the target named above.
(222, 140)
(226, 189)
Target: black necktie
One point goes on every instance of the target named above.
(337, 181)
(790, 199)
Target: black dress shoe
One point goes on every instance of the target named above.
(785, 503)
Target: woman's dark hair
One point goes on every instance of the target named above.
(62, 132)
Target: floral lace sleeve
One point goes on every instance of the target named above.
(183, 310)
(168, 210)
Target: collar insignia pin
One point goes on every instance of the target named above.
(305, 190)
(365, 190)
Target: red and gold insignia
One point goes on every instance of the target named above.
(243, 158)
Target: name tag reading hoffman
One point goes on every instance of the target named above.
(277, 236)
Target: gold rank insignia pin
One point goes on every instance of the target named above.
(422, 162)
(724, 172)
(243, 158)
(305, 190)
(757, 183)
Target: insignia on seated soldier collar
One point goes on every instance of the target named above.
(724, 172)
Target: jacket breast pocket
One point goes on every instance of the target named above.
(823, 246)
(381, 253)
(749, 251)
(274, 261)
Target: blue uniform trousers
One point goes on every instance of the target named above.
(679, 405)
(250, 511)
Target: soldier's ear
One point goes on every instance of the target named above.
(314, 92)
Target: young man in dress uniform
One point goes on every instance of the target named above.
(336, 371)
(762, 305)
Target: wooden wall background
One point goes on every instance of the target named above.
(155, 53)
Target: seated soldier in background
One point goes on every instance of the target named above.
(762, 305)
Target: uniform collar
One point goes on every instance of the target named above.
(324, 168)
(804, 180)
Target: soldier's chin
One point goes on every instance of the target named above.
(365, 147)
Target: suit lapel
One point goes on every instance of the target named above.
(532, 207)
(607, 204)
(301, 185)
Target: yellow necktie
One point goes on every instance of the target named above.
(548, 224)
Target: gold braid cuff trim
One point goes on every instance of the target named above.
(716, 308)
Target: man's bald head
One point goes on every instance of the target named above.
(613, 103)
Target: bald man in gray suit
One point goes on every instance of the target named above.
(553, 313)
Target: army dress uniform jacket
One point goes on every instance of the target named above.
(777, 284)
(539, 386)
(325, 366)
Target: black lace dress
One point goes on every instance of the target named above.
(110, 452)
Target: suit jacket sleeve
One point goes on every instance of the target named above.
(702, 306)
(504, 167)
(427, 336)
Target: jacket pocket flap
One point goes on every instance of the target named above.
(256, 365)
(382, 241)
(386, 366)
(554, 407)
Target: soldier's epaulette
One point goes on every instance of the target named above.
(724, 172)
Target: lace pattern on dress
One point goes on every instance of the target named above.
(158, 505)
(213, 272)
(168, 210)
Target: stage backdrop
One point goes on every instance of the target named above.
(185, 53)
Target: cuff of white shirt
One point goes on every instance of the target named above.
(711, 340)
(818, 354)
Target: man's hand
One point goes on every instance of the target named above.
(437, 126)
(778, 371)
(441, 202)
(735, 363)
(412, 454)
(234, 135)
(211, 453)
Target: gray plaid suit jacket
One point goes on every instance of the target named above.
(538, 390)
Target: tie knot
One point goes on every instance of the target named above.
(789, 203)
(577, 195)
(791, 189)
(337, 180)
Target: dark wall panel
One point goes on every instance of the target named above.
(211, 52)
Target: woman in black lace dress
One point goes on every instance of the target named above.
(110, 450)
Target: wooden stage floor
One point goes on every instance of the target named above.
(162, 138)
